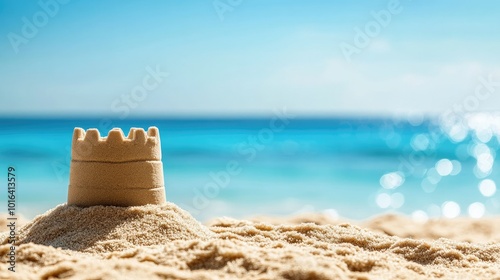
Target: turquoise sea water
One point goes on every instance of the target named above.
(354, 168)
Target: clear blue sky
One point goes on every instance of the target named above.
(248, 59)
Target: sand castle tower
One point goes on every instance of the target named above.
(115, 170)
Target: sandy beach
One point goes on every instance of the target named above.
(166, 242)
(231, 139)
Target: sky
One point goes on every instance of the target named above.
(248, 57)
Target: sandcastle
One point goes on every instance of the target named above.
(115, 170)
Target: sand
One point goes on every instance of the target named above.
(165, 242)
(482, 230)
(3, 221)
(116, 170)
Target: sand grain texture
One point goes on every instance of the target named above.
(165, 242)
(484, 230)
(116, 170)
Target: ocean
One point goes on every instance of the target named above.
(348, 167)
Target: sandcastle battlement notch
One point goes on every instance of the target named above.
(138, 145)
(116, 170)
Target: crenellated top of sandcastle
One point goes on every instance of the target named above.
(139, 145)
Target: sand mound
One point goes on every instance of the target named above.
(460, 229)
(109, 228)
(315, 218)
(164, 242)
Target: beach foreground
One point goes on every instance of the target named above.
(165, 242)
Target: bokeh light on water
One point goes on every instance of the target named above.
(470, 143)
(355, 168)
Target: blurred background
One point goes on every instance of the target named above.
(272, 107)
